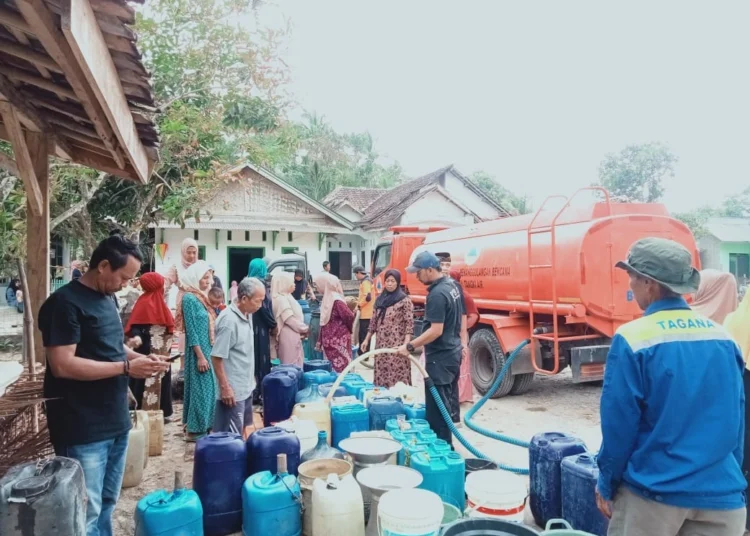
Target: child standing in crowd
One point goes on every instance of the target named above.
(217, 300)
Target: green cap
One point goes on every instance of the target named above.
(664, 261)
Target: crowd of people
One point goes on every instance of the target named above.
(673, 404)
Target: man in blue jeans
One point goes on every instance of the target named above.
(87, 375)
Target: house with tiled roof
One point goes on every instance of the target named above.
(257, 214)
(442, 197)
(352, 202)
(725, 246)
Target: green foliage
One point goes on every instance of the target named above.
(637, 172)
(734, 206)
(12, 222)
(737, 206)
(325, 159)
(511, 202)
(696, 219)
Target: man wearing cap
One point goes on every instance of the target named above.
(365, 302)
(441, 339)
(672, 410)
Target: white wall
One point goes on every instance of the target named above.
(349, 213)
(306, 242)
(435, 209)
(458, 189)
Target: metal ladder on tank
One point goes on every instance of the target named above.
(535, 334)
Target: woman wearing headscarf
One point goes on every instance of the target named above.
(263, 324)
(233, 289)
(152, 321)
(289, 320)
(716, 296)
(737, 324)
(188, 257)
(199, 318)
(336, 321)
(393, 325)
(465, 387)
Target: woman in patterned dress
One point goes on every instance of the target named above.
(152, 321)
(289, 320)
(393, 325)
(199, 317)
(336, 321)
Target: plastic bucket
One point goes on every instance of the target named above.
(311, 470)
(566, 529)
(410, 512)
(496, 495)
(487, 527)
(478, 464)
(451, 514)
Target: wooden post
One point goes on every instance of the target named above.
(38, 238)
(28, 339)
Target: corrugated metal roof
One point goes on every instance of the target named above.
(729, 229)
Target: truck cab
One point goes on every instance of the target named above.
(394, 252)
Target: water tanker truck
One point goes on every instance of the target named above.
(547, 276)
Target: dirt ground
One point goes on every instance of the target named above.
(552, 404)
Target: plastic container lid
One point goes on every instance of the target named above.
(496, 487)
(411, 505)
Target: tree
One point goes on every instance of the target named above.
(325, 159)
(510, 201)
(636, 174)
(696, 219)
(737, 206)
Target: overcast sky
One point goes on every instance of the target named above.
(535, 93)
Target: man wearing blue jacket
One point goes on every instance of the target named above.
(672, 410)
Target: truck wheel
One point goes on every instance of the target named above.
(487, 360)
(522, 383)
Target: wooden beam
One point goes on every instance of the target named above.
(37, 81)
(88, 45)
(14, 20)
(45, 29)
(26, 53)
(73, 135)
(22, 104)
(24, 159)
(108, 15)
(116, 9)
(38, 237)
(93, 160)
(21, 38)
(8, 164)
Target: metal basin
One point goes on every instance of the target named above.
(381, 479)
(370, 450)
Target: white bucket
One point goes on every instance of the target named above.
(410, 512)
(496, 494)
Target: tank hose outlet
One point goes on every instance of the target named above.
(476, 407)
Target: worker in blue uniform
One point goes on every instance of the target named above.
(672, 410)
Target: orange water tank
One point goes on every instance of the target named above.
(493, 259)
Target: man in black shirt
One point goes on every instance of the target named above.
(441, 339)
(87, 375)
